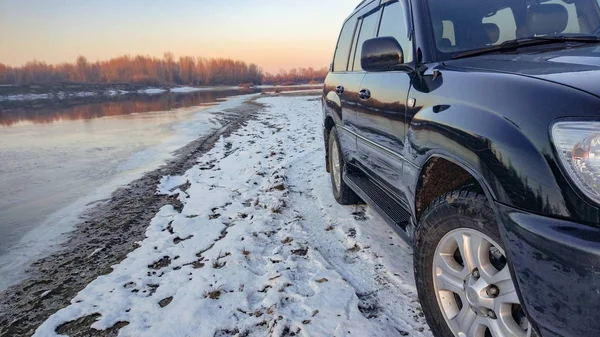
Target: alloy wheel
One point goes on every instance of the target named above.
(474, 287)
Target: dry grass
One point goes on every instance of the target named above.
(217, 264)
(245, 252)
(213, 293)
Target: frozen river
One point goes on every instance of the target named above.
(57, 161)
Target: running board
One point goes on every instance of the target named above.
(390, 210)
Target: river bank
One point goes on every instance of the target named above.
(238, 236)
(10, 95)
(110, 231)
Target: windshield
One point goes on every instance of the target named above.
(464, 25)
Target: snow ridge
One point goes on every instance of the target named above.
(253, 244)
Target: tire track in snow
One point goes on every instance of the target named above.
(306, 174)
(338, 233)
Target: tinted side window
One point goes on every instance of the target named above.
(394, 22)
(367, 31)
(342, 52)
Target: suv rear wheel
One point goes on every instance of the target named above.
(461, 271)
(342, 193)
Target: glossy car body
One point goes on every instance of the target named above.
(491, 116)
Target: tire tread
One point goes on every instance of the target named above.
(346, 195)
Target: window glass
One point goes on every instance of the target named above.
(500, 26)
(342, 52)
(449, 32)
(394, 22)
(473, 24)
(573, 25)
(354, 44)
(367, 31)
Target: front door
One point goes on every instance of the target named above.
(381, 115)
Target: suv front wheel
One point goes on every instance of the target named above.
(462, 273)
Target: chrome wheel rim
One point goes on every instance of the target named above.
(474, 287)
(335, 166)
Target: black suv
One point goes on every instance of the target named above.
(473, 128)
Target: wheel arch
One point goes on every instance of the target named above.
(440, 161)
(461, 173)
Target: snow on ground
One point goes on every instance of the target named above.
(59, 95)
(193, 89)
(148, 91)
(25, 97)
(116, 92)
(255, 245)
(184, 89)
(151, 91)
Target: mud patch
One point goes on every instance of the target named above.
(300, 251)
(179, 240)
(360, 214)
(72, 328)
(160, 264)
(368, 305)
(164, 302)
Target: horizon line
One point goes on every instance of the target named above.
(175, 58)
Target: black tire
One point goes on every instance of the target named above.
(343, 195)
(455, 210)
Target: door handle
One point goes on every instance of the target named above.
(339, 89)
(364, 94)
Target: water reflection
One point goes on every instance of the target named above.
(46, 112)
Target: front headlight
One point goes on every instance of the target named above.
(578, 146)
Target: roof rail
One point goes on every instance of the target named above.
(361, 3)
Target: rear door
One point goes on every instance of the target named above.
(381, 115)
(341, 88)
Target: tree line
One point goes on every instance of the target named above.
(146, 70)
(296, 76)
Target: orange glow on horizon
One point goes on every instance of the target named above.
(273, 34)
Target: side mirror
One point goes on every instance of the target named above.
(381, 54)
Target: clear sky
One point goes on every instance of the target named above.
(271, 33)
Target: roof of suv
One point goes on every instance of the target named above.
(362, 4)
(365, 3)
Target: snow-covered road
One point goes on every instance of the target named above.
(255, 245)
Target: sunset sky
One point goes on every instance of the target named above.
(271, 33)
